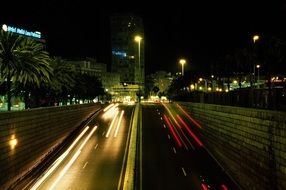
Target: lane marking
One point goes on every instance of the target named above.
(174, 150)
(185, 174)
(164, 126)
(96, 146)
(84, 165)
(169, 137)
(103, 133)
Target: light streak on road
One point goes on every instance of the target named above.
(204, 186)
(190, 118)
(107, 108)
(172, 131)
(119, 123)
(58, 161)
(112, 123)
(110, 113)
(183, 135)
(172, 116)
(190, 132)
(65, 169)
(224, 187)
(72, 160)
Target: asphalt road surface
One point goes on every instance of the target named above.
(173, 156)
(96, 159)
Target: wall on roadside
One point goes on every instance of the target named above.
(36, 132)
(249, 143)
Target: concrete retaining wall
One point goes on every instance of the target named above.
(249, 143)
(37, 132)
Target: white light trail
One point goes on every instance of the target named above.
(111, 125)
(118, 124)
(58, 161)
(110, 113)
(107, 108)
(65, 169)
(75, 156)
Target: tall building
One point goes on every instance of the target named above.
(127, 54)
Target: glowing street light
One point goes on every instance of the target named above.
(182, 62)
(255, 38)
(138, 40)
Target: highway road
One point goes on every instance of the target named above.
(173, 155)
(95, 159)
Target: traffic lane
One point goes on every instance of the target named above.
(162, 168)
(207, 168)
(100, 161)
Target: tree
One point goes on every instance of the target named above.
(63, 79)
(87, 87)
(23, 61)
(155, 90)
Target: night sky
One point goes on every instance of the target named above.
(199, 31)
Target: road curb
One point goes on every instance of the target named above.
(130, 166)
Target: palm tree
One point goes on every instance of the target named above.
(23, 61)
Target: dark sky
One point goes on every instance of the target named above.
(200, 31)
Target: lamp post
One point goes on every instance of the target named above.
(182, 62)
(138, 40)
(258, 66)
(254, 38)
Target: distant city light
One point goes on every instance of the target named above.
(192, 87)
(12, 29)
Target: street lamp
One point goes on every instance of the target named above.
(254, 38)
(257, 66)
(138, 40)
(182, 62)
